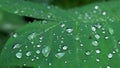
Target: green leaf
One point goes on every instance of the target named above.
(39, 11)
(90, 39)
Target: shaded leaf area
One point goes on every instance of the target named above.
(39, 11)
(88, 38)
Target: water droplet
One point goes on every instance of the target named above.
(32, 36)
(46, 51)
(81, 45)
(65, 47)
(111, 31)
(50, 64)
(62, 25)
(17, 46)
(95, 43)
(87, 53)
(97, 51)
(59, 55)
(19, 55)
(97, 36)
(104, 13)
(110, 55)
(15, 35)
(96, 7)
(106, 37)
(16, 11)
(38, 51)
(98, 60)
(41, 38)
(69, 30)
(38, 46)
(32, 59)
(93, 28)
(28, 53)
(77, 38)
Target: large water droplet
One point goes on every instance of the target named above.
(19, 55)
(96, 7)
(104, 13)
(17, 46)
(59, 55)
(46, 51)
(108, 66)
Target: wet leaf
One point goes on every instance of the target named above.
(90, 39)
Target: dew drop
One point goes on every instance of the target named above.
(103, 13)
(19, 55)
(38, 46)
(62, 25)
(69, 30)
(28, 53)
(93, 28)
(96, 7)
(59, 55)
(87, 53)
(38, 51)
(95, 43)
(16, 11)
(17, 46)
(15, 35)
(97, 51)
(97, 36)
(50, 64)
(77, 38)
(106, 37)
(98, 60)
(111, 31)
(110, 55)
(32, 36)
(46, 51)
(65, 47)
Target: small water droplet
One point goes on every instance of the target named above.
(65, 47)
(95, 43)
(59, 55)
(69, 30)
(46, 51)
(17, 46)
(77, 38)
(106, 37)
(111, 31)
(97, 36)
(50, 64)
(19, 55)
(38, 51)
(62, 25)
(110, 55)
(96, 7)
(28, 53)
(104, 13)
(38, 46)
(32, 36)
(98, 60)
(93, 28)
(87, 53)
(81, 45)
(16, 11)
(15, 35)
(98, 51)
